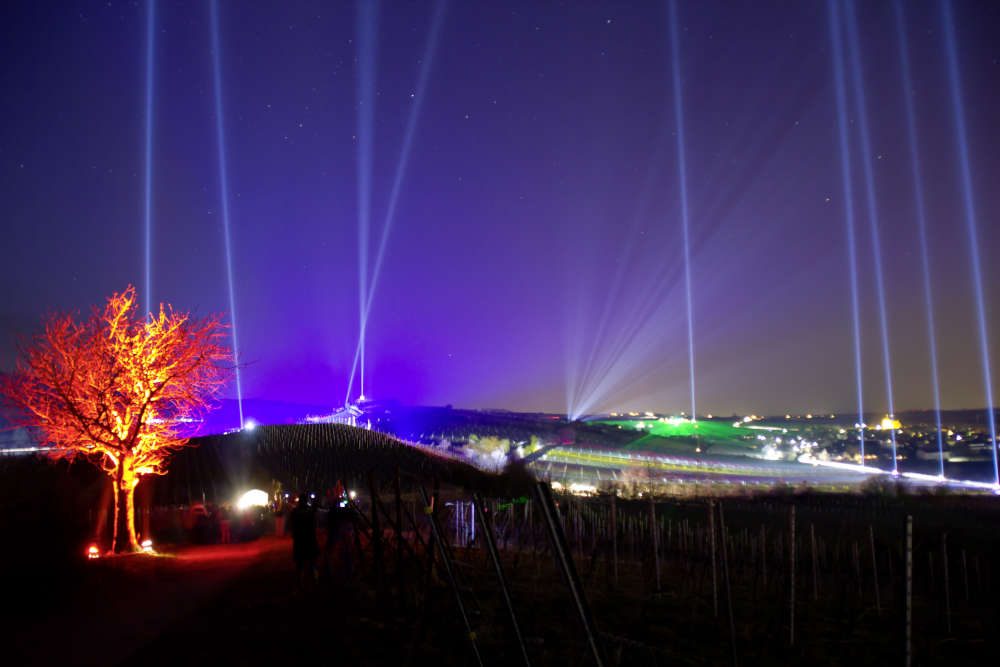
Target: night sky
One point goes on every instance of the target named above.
(537, 232)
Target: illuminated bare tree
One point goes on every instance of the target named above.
(120, 391)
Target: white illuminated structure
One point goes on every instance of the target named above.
(252, 498)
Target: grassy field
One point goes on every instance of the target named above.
(614, 460)
(685, 437)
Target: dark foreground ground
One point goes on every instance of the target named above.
(207, 605)
(238, 605)
(780, 578)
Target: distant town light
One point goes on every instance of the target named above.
(890, 424)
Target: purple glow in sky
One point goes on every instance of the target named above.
(535, 258)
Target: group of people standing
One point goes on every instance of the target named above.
(337, 515)
(211, 524)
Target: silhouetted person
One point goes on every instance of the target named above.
(225, 530)
(214, 527)
(280, 526)
(305, 547)
(202, 526)
(340, 533)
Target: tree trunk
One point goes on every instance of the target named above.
(125, 481)
(114, 503)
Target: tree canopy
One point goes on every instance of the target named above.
(120, 390)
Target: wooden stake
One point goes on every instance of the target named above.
(614, 540)
(815, 562)
(400, 576)
(715, 584)
(930, 569)
(791, 578)
(763, 554)
(908, 596)
(856, 559)
(965, 575)
(725, 579)
(656, 546)
(376, 528)
(947, 592)
(878, 597)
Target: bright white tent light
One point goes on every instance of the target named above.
(252, 498)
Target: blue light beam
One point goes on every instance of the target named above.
(220, 133)
(367, 50)
(871, 199)
(969, 200)
(592, 369)
(682, 176)
(847, 182)
(918, 196)
(426, 65)
(148, 204)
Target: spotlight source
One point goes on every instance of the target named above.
(252, 498)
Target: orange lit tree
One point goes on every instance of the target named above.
(120, 391)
